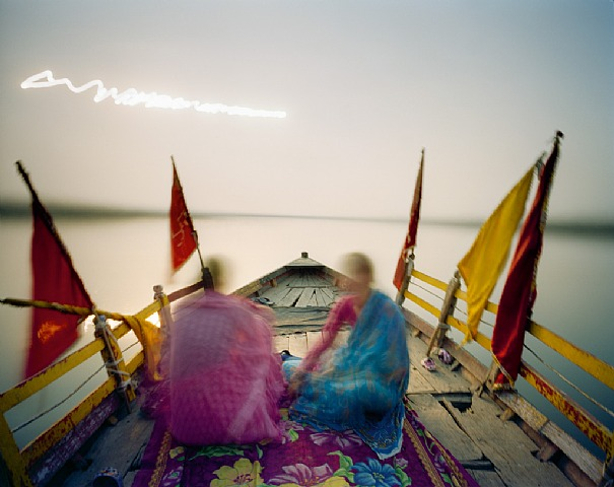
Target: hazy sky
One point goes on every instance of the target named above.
(482, 85)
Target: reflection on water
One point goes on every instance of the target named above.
(120, 260)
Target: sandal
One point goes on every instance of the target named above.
(428, 364)
(445, 356)
(108, 477)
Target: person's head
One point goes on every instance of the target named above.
(359, 269)
(218, 268)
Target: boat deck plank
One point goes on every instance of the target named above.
(441, 380)
(291, 298)
(305, 298)
(119, 446)
(441, 424)
(486, 478)
(507, 447)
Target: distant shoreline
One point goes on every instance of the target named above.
(21, 211)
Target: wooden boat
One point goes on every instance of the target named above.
(498, 436)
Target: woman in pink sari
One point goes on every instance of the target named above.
(224, 380)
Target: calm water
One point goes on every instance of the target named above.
(120, 260)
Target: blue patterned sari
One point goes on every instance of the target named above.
(361, 387)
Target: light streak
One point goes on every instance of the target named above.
(132, 97)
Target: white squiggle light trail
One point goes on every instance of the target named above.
(132, 97)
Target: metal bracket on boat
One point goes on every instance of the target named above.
(447, 310)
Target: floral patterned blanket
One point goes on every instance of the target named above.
(304, 458)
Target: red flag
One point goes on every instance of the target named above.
(520, 289)
(183, 235)
(54, 280)
(410, 238)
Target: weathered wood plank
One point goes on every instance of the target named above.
(323, 299)
(418, 384)
(441, 424)
(486, 478)
(305, 297)
(507, 447)
(290, 298)
(329, 293)
(442, 379)
(275, 294)
(313, 301)
(117, 446)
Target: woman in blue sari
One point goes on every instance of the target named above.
(361, 385)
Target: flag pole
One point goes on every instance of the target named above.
(205, 272)
(405, 264)
(49, 224)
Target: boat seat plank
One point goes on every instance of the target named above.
(281, 342)
(297, 344)
(305, 297)
(441, 424)
(507, 447)
(313, 338)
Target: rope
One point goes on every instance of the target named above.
(47, 411)
(65, 308)
(426, 290)
(441, 299)
(466, 315)
(569, 383)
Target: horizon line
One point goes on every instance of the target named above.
(19, 210)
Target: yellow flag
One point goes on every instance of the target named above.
(486, 259)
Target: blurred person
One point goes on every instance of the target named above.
(223, 379)
(360, 385)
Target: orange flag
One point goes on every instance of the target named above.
(54, 280)
(410, 238)
(183, 235)
(520, 290)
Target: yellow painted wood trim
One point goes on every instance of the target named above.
(27, 388)
(423, 304)
(49, 438)
(429, 280)
(12, 458)
(584, 421)
(482, 339)
(586, 361)
(135, 362)
(121, 330)
(148, 310)
(462, 295)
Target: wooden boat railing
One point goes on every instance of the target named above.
(598, 433)
(21, 464)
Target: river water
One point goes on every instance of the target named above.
(120, 259)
